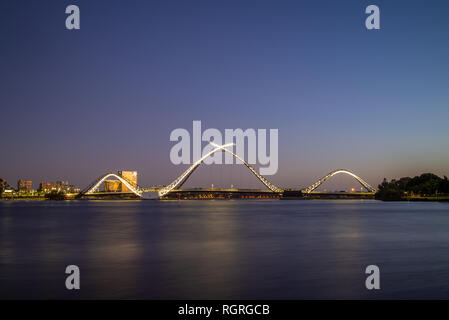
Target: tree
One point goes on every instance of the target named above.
(388, 191)
(2, 185)
(55, 195)
(443, 186)
(427, 184)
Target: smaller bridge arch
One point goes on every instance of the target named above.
(96, 184)
(331, 174)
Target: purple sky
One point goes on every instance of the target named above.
(77, 104)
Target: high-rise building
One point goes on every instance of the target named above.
(62, 185)
(47, 186)
(130, 177)
(24, 185)
(112, 186)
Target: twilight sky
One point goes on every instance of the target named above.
(77, 104)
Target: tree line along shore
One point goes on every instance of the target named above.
(426, 187)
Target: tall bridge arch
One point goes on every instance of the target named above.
(333, 173)
(178, 182)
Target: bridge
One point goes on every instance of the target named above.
(178, 182)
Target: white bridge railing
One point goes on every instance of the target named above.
(178, 182)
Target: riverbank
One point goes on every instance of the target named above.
(421, 198)
(67, 196)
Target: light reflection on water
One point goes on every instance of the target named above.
(224, 249)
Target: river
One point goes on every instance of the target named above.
(224, 249)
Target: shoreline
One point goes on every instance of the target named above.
(409, 199)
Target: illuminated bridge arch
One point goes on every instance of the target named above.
(178, 182)
(96, 184)
(331, 174)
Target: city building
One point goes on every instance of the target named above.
(62, 185)
(47, 186)
(73, 189)
(130, 177)
(24, 185)
(112, 186)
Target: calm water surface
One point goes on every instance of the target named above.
(228, 249)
